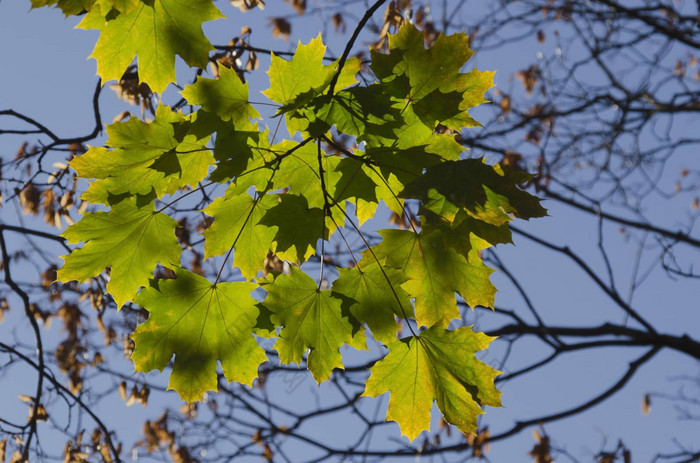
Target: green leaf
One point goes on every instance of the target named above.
(353, 182)
(298, 80)
(437, 365)
(356, 184)
(283, 198)
(440, 107)
(461, 229)
(237, 224)
(357, 111)
(155, 31)
(75, 7)
(304, 72)
(129, 239)
(311, 319)
(245, 156)
(375, 297)
(403, 157)
(200, 323)
(298, 227)
(434, 272)
(226, 96)
(124, 6)
(489, 193)
(69, 7)
(158, 157)
(436, 88)
(415, 138)
(299, 170)
(302, 80)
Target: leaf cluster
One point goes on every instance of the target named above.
(290, 199)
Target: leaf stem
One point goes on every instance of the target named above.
(326, 208)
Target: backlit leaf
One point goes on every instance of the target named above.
(237, 223)
(158, 157)
(375, 297)
(296, 81)
(155, 31)
(130, 240)
(226, 96)
(200, 323)
(300, 171)
(298, 227)
(75, 7)
(434, 273)
(437, 365)
(390, 140)
(489, 193)
(311, 319)
(436, 88)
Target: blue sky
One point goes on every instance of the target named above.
(45, 73)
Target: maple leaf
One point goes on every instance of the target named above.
(463, 233)
(440, 107)
(200, 323)
(298, 227)
(243, 155)
(237, 223)
(489, 193)
(357, 111)
(403, 157)
(123, 6)
(430, 79)
(299, 81)
(283, 198)
(296, 81)
(311, 319)
(356, 183)
(434, 272)
(304, 72)
(226, 96)
(75, 7)
(69, 7)
(412, 137)
(155, 31)
(158, 157)
(129, 239)
(437, 365)
(374, 296)
(300, 171)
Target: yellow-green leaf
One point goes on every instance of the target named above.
(75, 7)
(226, 96)
(130, 240)
(374, 296)
(155, 31)
(237, 223)
(488, 193)
(158, 157)
(200, 323)
(434, 272)
(298, 227)
(437, 365)
(430, 79)
(311, 319)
